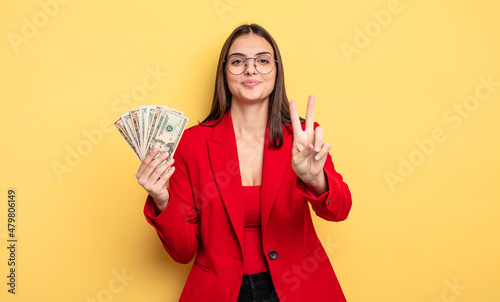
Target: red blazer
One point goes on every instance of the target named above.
(205, 219)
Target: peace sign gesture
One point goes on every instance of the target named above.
(309, 151)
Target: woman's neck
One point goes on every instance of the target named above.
(249, 120)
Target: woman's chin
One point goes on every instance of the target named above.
(252, 99)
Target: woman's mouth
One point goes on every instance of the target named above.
(250, 83)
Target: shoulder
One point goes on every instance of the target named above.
(196, 134)
(199, 130)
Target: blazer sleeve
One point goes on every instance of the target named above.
(333, 205)
(178, 225)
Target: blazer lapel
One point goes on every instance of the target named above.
(223, 155)
(274, 165)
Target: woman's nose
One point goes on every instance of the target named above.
(250, 66)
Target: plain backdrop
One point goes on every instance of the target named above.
(408, 93)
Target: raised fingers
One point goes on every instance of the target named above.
(310, 113)
(294, 116)
(319, 132)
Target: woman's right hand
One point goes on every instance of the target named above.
(149, 178)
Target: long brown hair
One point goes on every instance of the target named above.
(278, 111)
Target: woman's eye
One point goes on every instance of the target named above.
(237, 62)
(263, 61)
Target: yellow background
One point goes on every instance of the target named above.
(406, 241)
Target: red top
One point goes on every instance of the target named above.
(204, 218)
(254, 259)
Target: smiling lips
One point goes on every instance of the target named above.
(250, 83)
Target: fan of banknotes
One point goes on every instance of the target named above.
(149, 127)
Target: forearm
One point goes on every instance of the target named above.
(178, 236)
(332, 203)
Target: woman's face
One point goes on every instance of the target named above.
(250, 86)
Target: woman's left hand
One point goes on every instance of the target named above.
(309, 151)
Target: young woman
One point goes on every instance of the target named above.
(240, 185)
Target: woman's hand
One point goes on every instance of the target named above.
(149, 177)
(309, 151)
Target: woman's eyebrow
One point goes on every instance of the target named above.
(237, 54)
(264, 53)
(243, 55)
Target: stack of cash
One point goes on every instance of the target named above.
(149, 127)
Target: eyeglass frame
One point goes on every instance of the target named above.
(254, 64)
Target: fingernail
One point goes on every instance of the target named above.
(316, 157)
(316, 149)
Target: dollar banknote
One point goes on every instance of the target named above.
(168, 133)
(148, 127)
(121, 128)
(154, 120)
(134, 119)
(127, 124)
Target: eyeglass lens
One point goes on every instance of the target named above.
(264, 64)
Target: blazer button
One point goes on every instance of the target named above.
(273, 255)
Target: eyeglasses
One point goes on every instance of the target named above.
(264, 64)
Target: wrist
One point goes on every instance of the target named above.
(160, 205)
(160, 208)
(317, 184)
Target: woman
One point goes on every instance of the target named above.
(238, 202)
